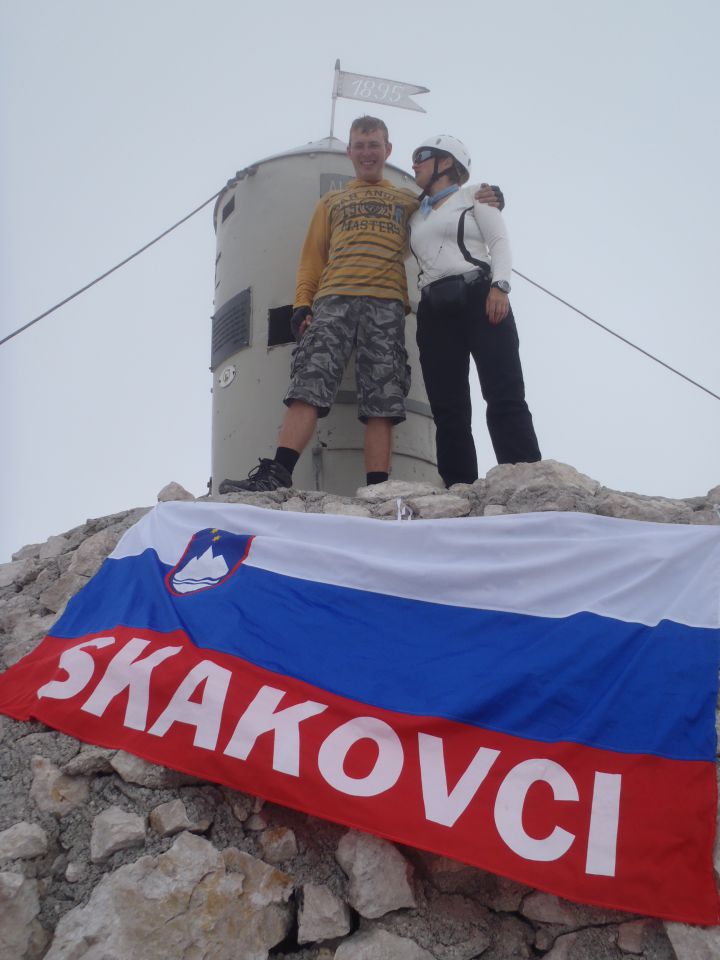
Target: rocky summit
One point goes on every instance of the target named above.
(104, 856)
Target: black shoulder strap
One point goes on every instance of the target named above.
(420, 269)
(461, 240)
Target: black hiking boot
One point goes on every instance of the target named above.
(267, 475)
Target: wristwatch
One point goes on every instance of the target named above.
(501, 285)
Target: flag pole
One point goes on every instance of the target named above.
(334, 97)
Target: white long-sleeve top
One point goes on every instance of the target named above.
(433, 239)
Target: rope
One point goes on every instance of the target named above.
(111, 270)
(216, 195)
(619, 336)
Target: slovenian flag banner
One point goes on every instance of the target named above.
(532, 694)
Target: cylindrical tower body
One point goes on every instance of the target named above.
(260, 220)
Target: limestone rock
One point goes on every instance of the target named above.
(278, 844)
(451, 876)
(240, 804)
(547, 908)
(134, 769)
(529, 483)
(75, 871)
(511, 937)
(453, 927)
(380, 945)
(694, 943)
(115, 829)
(706, 516)
(29, 552)
(22, 841)
(53, 746)
(632, 935)
(389, 509)
(53, 791)
(90, 760)
(256, 822)
(58, 593)
(633, 507)
(13, 610)
(467, 489)
(439, 506)
(89, 556)
(378, 874)
(537, 497)
(173, 491)
(563, 948)
(169, 818)
(26, 636)
(267, 884)
(322, 915)
(19, 906)
(53, 547)
(16, 573)
(33, 627)
(391, 489)
(183, 903)
(593, 943)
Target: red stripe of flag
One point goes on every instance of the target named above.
(583, 823)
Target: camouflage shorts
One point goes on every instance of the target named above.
(376, 328)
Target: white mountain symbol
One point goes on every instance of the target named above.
(200, 572)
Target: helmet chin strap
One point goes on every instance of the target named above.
(436, 175)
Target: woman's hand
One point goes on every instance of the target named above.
(497, 305)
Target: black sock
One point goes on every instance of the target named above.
(287, 457)
(377, 476)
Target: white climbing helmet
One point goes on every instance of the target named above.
(456, 148)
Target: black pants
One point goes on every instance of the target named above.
(446, 341)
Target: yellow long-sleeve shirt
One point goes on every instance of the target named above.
(356, 244)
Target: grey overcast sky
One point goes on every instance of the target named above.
(599, 120)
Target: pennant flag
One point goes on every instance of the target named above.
(533, 694)
(389, 93)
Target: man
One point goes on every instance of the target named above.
(351, 291)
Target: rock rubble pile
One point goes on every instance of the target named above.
(104, 856)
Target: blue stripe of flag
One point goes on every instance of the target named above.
(586, 679)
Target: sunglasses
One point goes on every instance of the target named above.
(420, 156)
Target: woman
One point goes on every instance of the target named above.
(463, 252)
